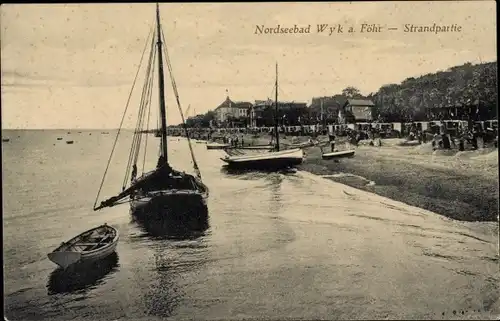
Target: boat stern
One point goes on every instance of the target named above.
(64, 259)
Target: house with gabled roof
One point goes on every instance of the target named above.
(356, 110)
(229, 109)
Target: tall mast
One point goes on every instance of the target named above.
(161, 84)
(276, 113)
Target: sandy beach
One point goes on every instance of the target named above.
(458, 185)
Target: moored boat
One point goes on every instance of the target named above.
(215, 145)
(91, 245)
(69, 142)
(253, 147)
(272, 160)
(344, 153)
(160, 191)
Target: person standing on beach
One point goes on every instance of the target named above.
(332, 142)
(461, 140)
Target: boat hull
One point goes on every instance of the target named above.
(171, 204)
(256, 147)
(167, 200)
(65, 257)
(342, 154)
(217, 146)
(266, 161)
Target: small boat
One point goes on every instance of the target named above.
(5, 140)
(344, 153)
(254, 147)
(271, 160)
(59, 138)
(69, 142)
(409, 143)
(92, 245)
(217, 146)
(268, 160)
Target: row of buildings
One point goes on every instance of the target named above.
(261, 113)
(331, 110)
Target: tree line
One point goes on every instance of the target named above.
(462, 85)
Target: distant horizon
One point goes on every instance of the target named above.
(73, 65)
(186, 117)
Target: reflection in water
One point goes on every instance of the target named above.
(176, 236)
(254, 172)
(187, 223)
(84, 276)
(275, 202)
(164, 294)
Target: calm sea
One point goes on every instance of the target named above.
(276, 246)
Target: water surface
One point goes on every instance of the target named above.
(275, 246)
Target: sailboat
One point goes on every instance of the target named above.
(162, 188)
(270, 160)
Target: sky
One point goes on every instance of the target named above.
(73, 65)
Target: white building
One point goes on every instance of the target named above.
(232, 111)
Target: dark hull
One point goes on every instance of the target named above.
(338, 155)
(221, 146)
(163, 194)
(166, 202)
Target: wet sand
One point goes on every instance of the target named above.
(458, 185)
(461, 186)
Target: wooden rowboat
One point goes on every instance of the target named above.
(344, 153)
(92, 245)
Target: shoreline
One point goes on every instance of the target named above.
(463, 188)
(458, 185)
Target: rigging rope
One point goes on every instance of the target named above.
(144, 101)
(174, 86)
(121, 122)
(149, 114)
(137, 134)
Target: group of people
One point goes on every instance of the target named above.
(233, 141)
(459, 139)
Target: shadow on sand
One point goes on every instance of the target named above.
(82, 277)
